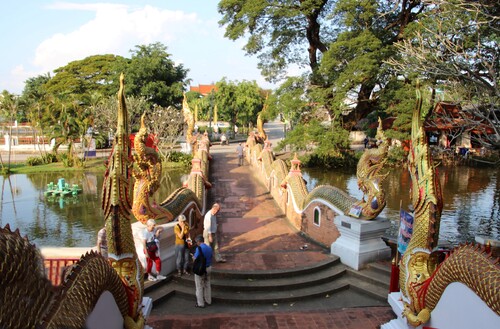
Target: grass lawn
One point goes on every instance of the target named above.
(93, 165)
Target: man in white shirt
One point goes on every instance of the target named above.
(150, 236)
(210, 232)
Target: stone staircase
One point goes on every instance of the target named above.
(327, 278)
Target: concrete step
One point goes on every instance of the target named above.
(369, 282)
(367, 287)
(324, 279)
(285, 282)
(269, 296)
(383, 267)
(269, 274)
(371, 276)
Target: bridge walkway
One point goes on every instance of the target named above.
(255, 235)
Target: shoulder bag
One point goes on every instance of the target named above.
(200, 263)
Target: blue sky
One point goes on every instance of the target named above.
(38, 36)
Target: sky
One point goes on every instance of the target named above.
(38, 36)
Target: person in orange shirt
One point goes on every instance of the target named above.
(182, 241)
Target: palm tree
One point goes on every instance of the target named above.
(8, 105)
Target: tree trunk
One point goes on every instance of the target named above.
(363, 107)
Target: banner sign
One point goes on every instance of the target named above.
(355, 211)
(405, 230)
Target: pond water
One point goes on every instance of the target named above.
(70, 221)
(471, 198)
(471, 203)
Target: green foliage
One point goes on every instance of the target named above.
(68, 160)
(238, 102)
(34, 161)
(40, 160)
(49, 158)
(280, 32)
(343, 160)
(204, 129)
(34, 88)
(180, 157)
(94, 74)
(288, 100)
(396, 156)
(324, 145)
(153, 75)
(352, 60)
(344, 42)
(9, 106)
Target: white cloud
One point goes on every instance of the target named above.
(17, 77)
(198, 44)
(115, 29)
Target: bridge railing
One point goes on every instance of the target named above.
(55, 268)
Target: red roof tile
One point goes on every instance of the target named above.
(203, 89)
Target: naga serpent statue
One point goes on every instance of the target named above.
(147, 176)
(422, 278)
(148, 172)
(368, 174)
(27, 297)
(118, 216)
(189, 119)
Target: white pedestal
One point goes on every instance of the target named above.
(147, 306)
(458, 308)
(394, 300)
(360, 241)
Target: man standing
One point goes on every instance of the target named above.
(239, 151)
(210, 232)
(202, 282)
(150, 244)
(181, 231)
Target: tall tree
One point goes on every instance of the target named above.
(99, 73)
(344, 42)
(153, 75)
(288, 100)
(279, 31)
(455, 47)
(73, 121)
(238, 102)
(104, 114)
(9, 104)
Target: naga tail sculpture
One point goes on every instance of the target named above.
(29, 300)
(27, 297)
(422, 279)
(118, 217)
(368, 173)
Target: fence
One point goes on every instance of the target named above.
(56, 267)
